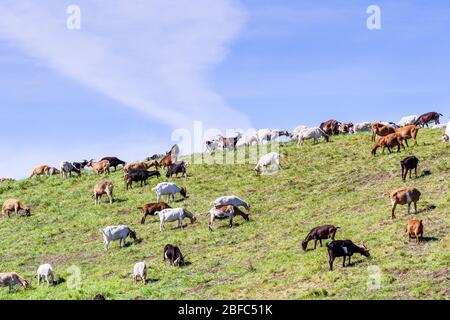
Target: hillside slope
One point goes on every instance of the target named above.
(337, 183)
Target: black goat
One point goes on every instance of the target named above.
(344, 248)
(174, 255)
(408, 164)
(114, 162)
(80, 165)
(319, 234)
(176, 168)
(139, 176)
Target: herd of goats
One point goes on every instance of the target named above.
(389, 135)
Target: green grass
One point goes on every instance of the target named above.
(338, 183)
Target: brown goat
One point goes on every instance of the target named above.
(389, 142)
(415, 229)
(381, 130)
(12, 279)
(144, 165)
(404, 196)
(166, 161)
(40, 170)
(53, 171)
(408, 132)
(16, 206)
(99, 167)
(151, 208)
(101, 188)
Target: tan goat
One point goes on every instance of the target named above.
(404, 196)
(40, 170)
(101, 188)
(16, 206)
(415, 229)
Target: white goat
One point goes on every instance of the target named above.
(298, 130)
(272, 158)
(312, 133)
(45, 272)
(231, 201)
(446, 136)
(177, 214)
(406, 121)
(140, 271)
(117, 233)
(170, 189)
(361, 127)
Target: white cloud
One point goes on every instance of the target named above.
(153, 56)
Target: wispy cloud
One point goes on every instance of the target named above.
(153, 56)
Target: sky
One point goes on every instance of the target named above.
(137, 75)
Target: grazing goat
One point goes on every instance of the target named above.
(114, 162)
(99, 167)
(151, 209)
(312, 133)
(408, 132)
(296, 132)
(45, 272)
(99, 297)
(169, 189)
(12, 279)
(117, 233)
(101, 188)
(16, 206)
(40, 170)
(272, 158)
(231, 201)
(80, 165)
(67, 168)
(404, 196)
(408, 164)
(139, 176)
(408, 120)
(330, 127)
(176, 168)
(415, 229)
(229, 143)
(344, 248)
(381, 130)
(226, 212)
(174, 255)
(346, 128)
(166, 162)
(361, 127)
(426, 118)
(319, 234)
(140, 272)
(389, 142)
(53, 171)
(177, 214)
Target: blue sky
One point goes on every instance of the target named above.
(133, 74)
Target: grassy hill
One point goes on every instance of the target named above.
(338, 183)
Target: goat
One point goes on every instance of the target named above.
(99, 167)
(415, 229)
(117, 233)
(272, 158)
(426, 118)
(11, 279)
(344, 248)
(176, 168)
(151, 209)
(101, 188)
(404, 196)
(389, 142)
(226, 212)
(67, 168)
(140, 272)
(40, 170)
(295, 133)
(139, 176)
(446, 136)
(80, 165)
(166, 162)
(408, 132)
(177, 214)
(408, 120)
(53, 171)
(231, 200)
(16, 206)
(408, 164)
(361, 127)
(319, 234)
(45, 272)
(381, 130)
(346, 128)
(312, 133)
(170, 189)
(174, 255)
(114, 162)
(330, 127)
(229, 143)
